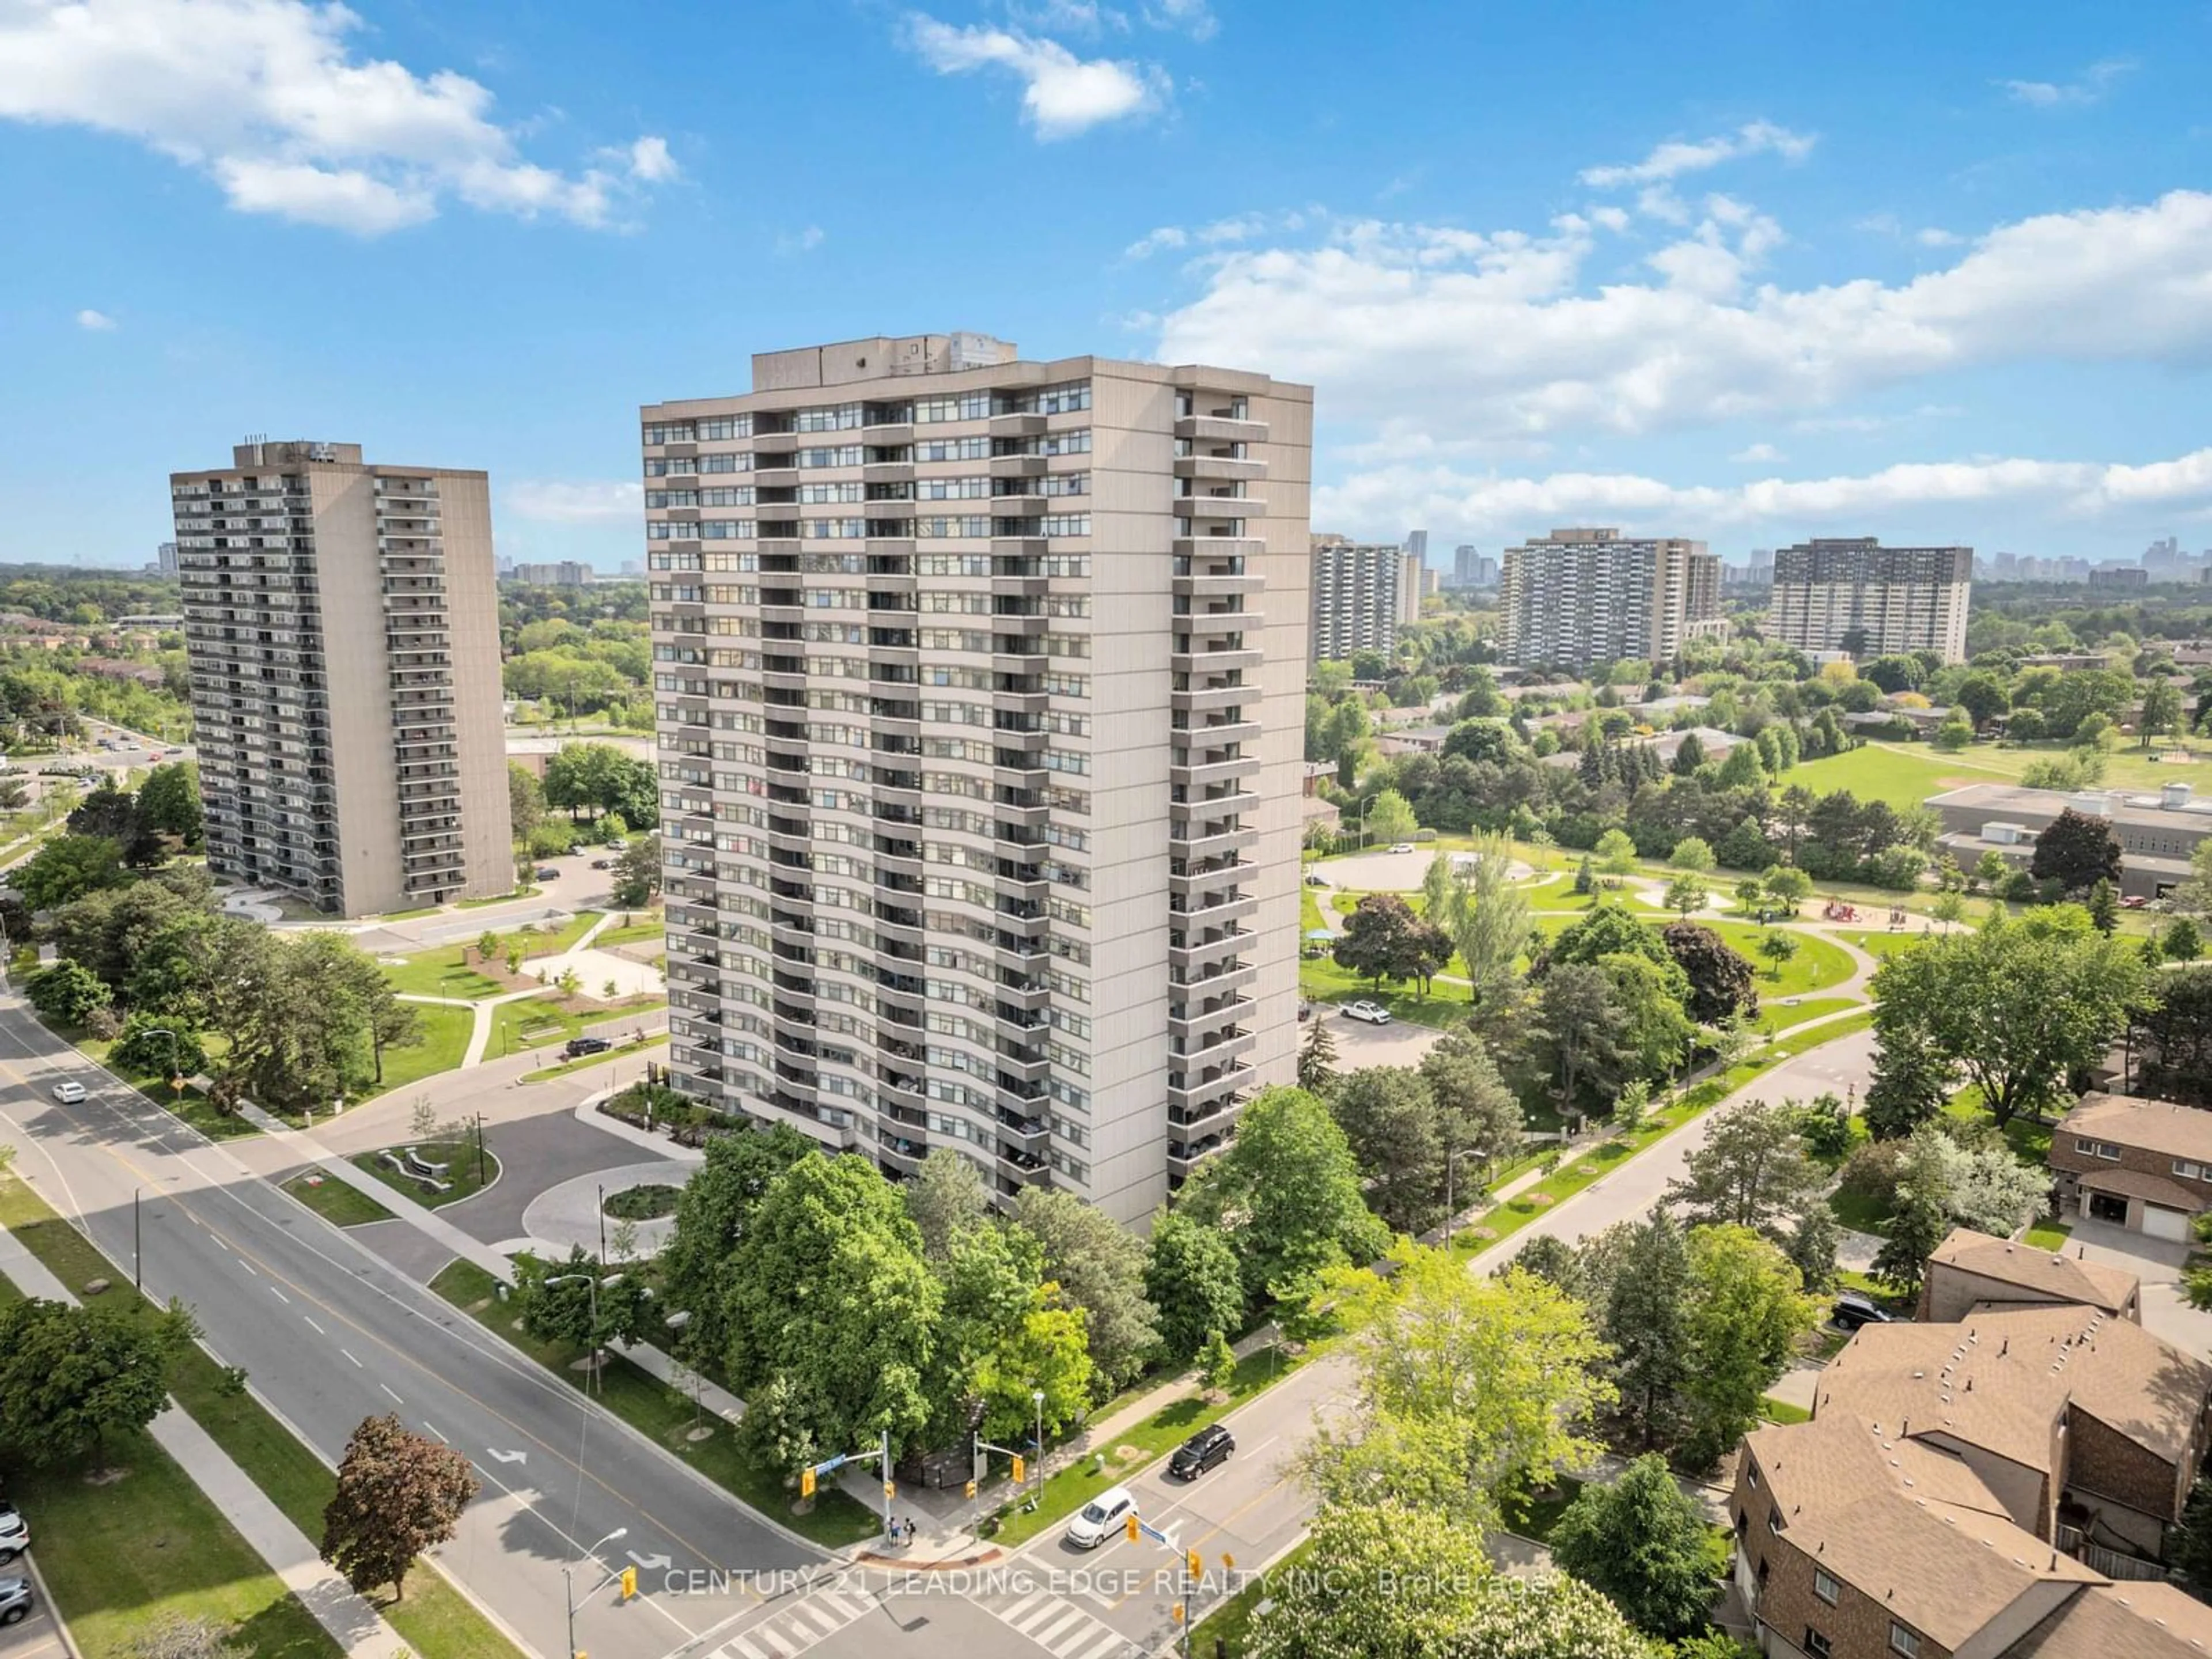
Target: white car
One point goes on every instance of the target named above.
(1373, 1012)
(1102, 1517)
(14, 1536)
(69, 1093)
(1401, 846)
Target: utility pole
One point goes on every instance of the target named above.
(137, 1244)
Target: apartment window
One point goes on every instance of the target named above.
(1816, 1645)
(668, 432)
(2105, 1149)
(968, 406)
(2183, 1167)
(1824, 1587)
(1774, 1522)
(1903, 1641)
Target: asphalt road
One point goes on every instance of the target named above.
(329, 1334)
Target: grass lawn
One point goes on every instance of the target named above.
(547, 1073)
(497, 898)
(1818, 964)
(1322, 982)
(2029, 1139)
(335, 1202)
(445, 1043)
(1860, 1213)
(1777, 1017)
(1149, 1440)
(191, 1106)
(1534, 1518)
(533, 1022)
(1904, 774)
(1228, 1625)
(448, 971)
(1781, 1411)
(2129, 767)
(1310, 916)
(460, 1176)
(2048, 1233)
(1558, 894)
(1879, 943)
(667, 1415)
(441, 1622)
(649, 930)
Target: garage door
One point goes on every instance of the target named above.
(2164, 1224)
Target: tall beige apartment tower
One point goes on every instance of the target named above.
(1575, 598)
(1854, 594)
(1363, 594)
(981, 709)
(341, 624)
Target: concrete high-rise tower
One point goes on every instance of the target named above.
(981, 712)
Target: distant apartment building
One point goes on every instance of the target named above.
(2159, 834)
(980, 690)
(564, 573)
(1575, 598)
(1471, 568)
(1852, 593)
(1417, 543)
(165, 560)
(1362, 594)
(342, 628)
(2120, 576)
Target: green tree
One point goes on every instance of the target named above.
(2161, 709)
(1469, 1391)
(1955, 733)
(2181, 942)
(1191, 1278)
(1378, 941)
(1486, 916)
(1551, 1257)
(1384, 1577)
(1643, 1543)
(1720, 979)
(2190, 1550)
(713, 1217)
(1389, 818)
(992, 1278)
(68, 993)
(1752, 1171)
(169, 803)
(1317, 1058)
(2078, 850)
(1584, 1034)
(68, 867)
(637, 872)
(1398, 1136)
(1287, 1192)
(1747, 1310)
(2103, 905)
(2195, 893)
(71, 1377)
(1099, 1266)
(151, 1043)
(582, 777)
(1811, 1246)
(1043, 1352)
(1616, 853)
(1482, 1117)
(1644, 1272)
(588, 1308)
(1655, 1034)
(399, 1495)
(1983, 695)
(1217, 1361)
(1686, 891)
(1789, 887)
(2019, 1005)
(525, 801)
(945, 1199)
(1777, 947)
(830, 1312)
(1691, 854)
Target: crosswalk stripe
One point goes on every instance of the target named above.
(1064, 1620)
(847, 1606)
(742, 1649)
(1014, 1614)
(1104, 1642)
(820, 1615)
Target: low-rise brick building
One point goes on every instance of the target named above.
(2144, 1165)
(1994, 1486)
(1971, 1271)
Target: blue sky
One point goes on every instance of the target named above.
(1748, 270)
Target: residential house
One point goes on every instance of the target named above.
(2143, 1164)
(1971, 1271)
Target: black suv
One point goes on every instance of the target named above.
(1855, 1309)
(577, 1047)
(1201, 1452)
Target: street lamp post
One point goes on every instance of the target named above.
(568, 1582)
(1037, 1399)
(1364, 805)
(593, 1283)
(1451, 1162)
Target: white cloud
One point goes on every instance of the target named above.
(555, 502)
(1508, 507)
(269, 98)
(799, 241)
(1758, 455)
(1676, 157)
(1506, 336)
(2094, 83)
(1062, 94)
(1193, 17)
(649, 160)
(1237, 228)
(95, 322)
(1936, 236)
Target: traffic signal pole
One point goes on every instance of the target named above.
(881, 1458)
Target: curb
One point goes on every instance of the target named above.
(53, 1610)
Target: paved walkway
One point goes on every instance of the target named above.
(355, 1626)
(568, 1216)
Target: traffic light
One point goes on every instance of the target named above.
(1129, 1526)
(1021, 1469)
(891, 1490)
(971, 1489)
(628, 1583)
(1193, 1563)
(1177, 1613)
(806, 1483)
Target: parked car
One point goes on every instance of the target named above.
(15, 1535)
(577, 1047)
(1315, 878)
(15, 1601)
(1208, 1449)
(603, 864)
(546, 873)
(1101, 1517)
(1401, 846)
(1373, 1012)
(69, 1094)
(1854, 1309)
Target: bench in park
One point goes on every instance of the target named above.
(423, 1174)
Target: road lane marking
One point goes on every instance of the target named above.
(396, 1400)
(349, 1354)
(312, 1326)
(436, 1430)
(279, 1295)
(249, 1267)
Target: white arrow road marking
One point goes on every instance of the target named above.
(649, 1563)
(509, 1457)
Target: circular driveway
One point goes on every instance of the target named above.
(568, 1217)
(1386, 872)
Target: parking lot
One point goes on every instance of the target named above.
(1401, 1042)
(36, 1637)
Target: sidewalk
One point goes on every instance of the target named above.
(356, 1627)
